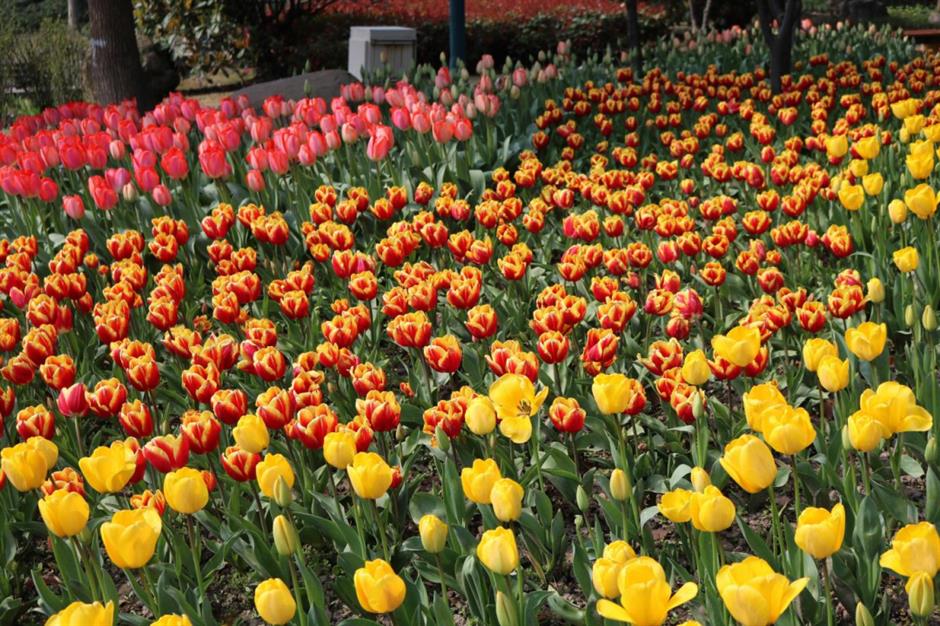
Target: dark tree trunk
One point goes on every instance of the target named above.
(115, 69)
(76, 12)
(633, 36)
(781, 42)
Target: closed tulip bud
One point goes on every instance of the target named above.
(339, 448)
(478, 480)
(619, 485)
(64, 512)
(909, 316)
(286, 540)
(282, 493)
(711, 511)
(833, 373)
(274, 602)
(695, 369)
(749, 462)
(505, 610)
(929, 319)
(867, 340)
(863, 616)
(506, 498)
(698, 405)
(81, 614)
(442, 439)
(185, 490)
(700, 479)
(481, 416)
(433, 533)
(846, 438)
(581, 498)
(378, 588)
(897, 211)
(920, 594)
(876, 291)
(931, 450)
(497, 551)
(251, 434)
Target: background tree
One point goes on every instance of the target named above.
(633, 37)
(115, 71)
(780, 41)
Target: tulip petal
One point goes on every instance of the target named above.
(614, 611)
(685, 593)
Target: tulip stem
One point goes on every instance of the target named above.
(97, 589)
(196, 546)
(866, 472)
(779, 548)
(796, 489)
(78, 437)
(295, 584)
(896, 461)
(440, 573)
(357, 514)
(574, 455)
(379, 529)
(827, 586)
(151, 601)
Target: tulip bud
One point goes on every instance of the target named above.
(433, 533)
(282, 494)
(400, 433)
(514, 92)
(505, 611)
(897, 211)
(909, 315)
(619, 485)
(700, 479)
(129, 191)
(929, 319)
(846, 440)
(863, 616)
(920, 594)
(930, 451)
(876, 290)
(698, 407)
(285, 536)
(581, 497)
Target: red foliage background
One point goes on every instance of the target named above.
(499, 10)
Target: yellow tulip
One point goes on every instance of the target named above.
(81, 614)
(645, 596)
(749, 462)
(131, 537)
(619, 485)
(506, 497)
(516, 429)
(894, 406)
(919, 165)
(740, 346)
(754, 594)
(865, 432)
(676, 505)
(858, 167)
(711, 511)
(108, 469)
(851, 197)
(185, 490)
(921, 200)
(760, 400)
(251, 434)
(897, 211)
(478, 480)
(906, 259)
(833, 373)
(286, 539)
(64, 512)
(905, 108)
(932, 133)
(875, 290)
(24, 466)
(867, 340)
(370, 475)
(837, 146)
(497, 551)
(481, 416)
(274, 602)
(695, 369)
(868, 147)
(612, 393)
(513, 396)
(915, 548)
(873, 183)
(270, 469)
(172, 620)
(814, 350)
(819, 532)
(46, 448)
(699, 479)
(433, 533)
(378, 588)
(606, 570)
(339, 448)
(913, 124)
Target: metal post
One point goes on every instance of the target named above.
(458, 32)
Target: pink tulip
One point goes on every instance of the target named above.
(73, 206)
(380, 142)
(161, 195)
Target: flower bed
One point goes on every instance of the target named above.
(556, 345)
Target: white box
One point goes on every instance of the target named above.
(368, 44)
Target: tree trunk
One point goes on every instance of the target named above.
(76, 13)
(780, 43)
(115, 70)
(633, 35)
